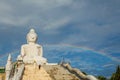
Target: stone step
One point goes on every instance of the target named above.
(36, 78)
(31, 73)
(38, 74)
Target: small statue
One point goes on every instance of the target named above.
(32, 52)
(9, 66)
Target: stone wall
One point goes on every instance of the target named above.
(77, 72)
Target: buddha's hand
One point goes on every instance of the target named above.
(22, 56)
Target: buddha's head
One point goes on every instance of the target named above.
(31, 36)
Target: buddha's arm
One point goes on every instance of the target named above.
(40, 51)
(22, 51)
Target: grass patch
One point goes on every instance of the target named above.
(2, 70)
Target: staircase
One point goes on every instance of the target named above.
(32, 72)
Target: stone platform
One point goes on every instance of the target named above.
(57, 72)
(47, 72)
(34, 73)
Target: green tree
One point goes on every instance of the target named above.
(116, 75)
(101, 78)
(2, 70)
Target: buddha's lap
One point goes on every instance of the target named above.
(35, 58)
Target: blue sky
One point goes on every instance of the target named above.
(94, 24)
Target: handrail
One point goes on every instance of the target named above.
(19, 72)
(77, 72)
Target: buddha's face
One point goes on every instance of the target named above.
(32, 38)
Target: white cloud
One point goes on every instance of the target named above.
(47, 4)
(14, 21)
(92, 21)
(5, 8)
(53, 26)
(29, 12)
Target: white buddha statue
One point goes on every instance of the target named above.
(32, 52)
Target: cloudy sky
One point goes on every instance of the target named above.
(94, 24)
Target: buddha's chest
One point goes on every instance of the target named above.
(31, 50)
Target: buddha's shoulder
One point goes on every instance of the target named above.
(40, 46)
(24, 45)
